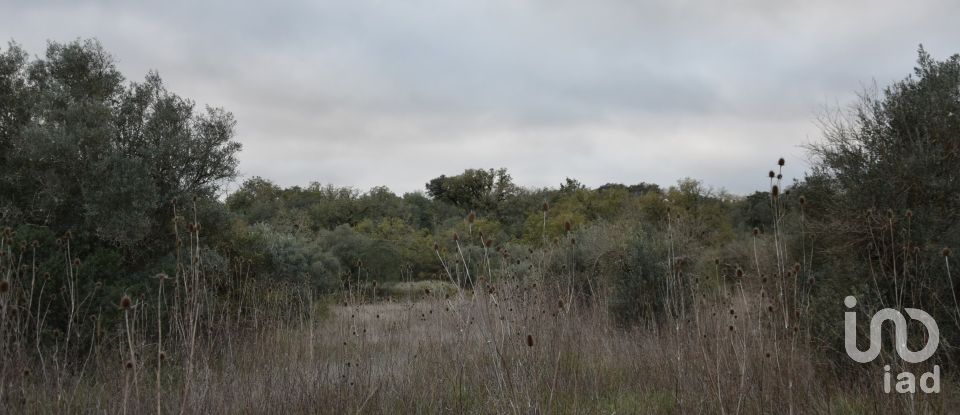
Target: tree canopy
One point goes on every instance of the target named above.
(83, 150)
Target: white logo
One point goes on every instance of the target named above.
(906, 381)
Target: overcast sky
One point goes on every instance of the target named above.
(394, 92)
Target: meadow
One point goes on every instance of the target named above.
(131, 282)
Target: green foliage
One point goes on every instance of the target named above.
(476, 189)
(285, 257)
(898, 151)
(637, 292)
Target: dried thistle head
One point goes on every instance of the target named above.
(125, 302)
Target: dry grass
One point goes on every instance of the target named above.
(474, 355)
(511, 345)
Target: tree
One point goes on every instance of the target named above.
(899, 150)
(884, 197)
(83, 151)
(475, 189)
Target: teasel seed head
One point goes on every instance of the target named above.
(566, 226)
(756, 231)
(945, 252)
(456, 237)
(125, 302)
(775, 190)
(4, 286)
(163, 355)
(529, 340)
(796, 267)
(472, 216)
(436, 246)
(545, 207)
(739, 272)
(803, 200)
(128, 365)
(779, 177)
(488, 243)
(771, 174)
(781, 162)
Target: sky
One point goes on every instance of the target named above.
(366, 93)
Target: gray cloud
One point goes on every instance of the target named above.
(366, 93)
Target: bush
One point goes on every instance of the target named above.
(637, 293)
